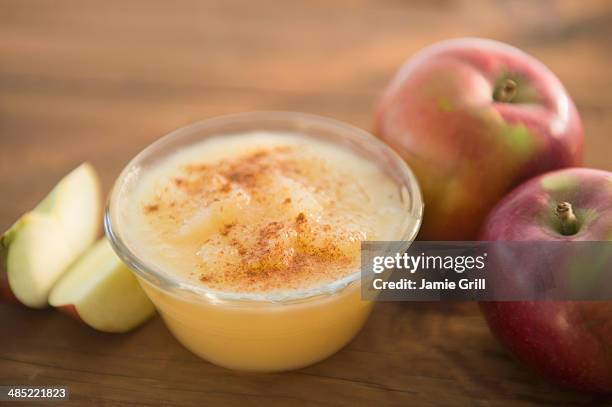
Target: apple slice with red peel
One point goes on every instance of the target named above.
(100, 291)
(42, 244)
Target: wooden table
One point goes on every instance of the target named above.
(99, 81)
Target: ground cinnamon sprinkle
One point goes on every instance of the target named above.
(151, 208)
(301, 218)
(227, 228)
(270, 252)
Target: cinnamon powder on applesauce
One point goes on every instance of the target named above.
(261, 221)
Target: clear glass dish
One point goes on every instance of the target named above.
(256, 331)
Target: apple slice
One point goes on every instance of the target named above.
(41, 245)
(34, 254)
(99, 290)
(76, 202)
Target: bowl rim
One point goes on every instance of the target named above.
(178, 286)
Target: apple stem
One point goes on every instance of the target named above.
(506, 92)
(569, 222)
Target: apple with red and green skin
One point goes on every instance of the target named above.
(567, 342)
(474, 118)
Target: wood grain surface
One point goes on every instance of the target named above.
(98, 81)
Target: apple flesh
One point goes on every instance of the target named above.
(76, 202)
(100, 291)
(43, 243)
(567, 342)
(474, 118)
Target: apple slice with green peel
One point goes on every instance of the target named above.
(99, 290)
(41, 245)
(34, 254)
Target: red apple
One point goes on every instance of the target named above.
(568, 342)
(474, 118)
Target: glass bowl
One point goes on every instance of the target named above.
(259, 332)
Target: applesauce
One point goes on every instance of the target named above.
(247, 238)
